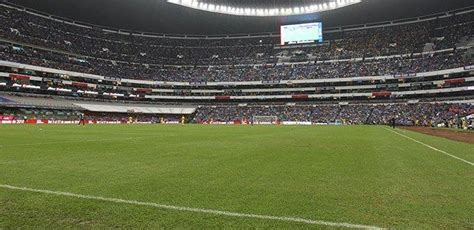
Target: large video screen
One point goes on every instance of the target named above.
(302, 33)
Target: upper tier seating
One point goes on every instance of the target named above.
(93, 50)
(271, 72)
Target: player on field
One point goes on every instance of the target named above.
(82, 120)
(393, 122)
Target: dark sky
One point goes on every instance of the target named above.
(162, 17)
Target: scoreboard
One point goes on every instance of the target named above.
(301, 33)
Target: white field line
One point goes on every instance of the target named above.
(431, 147)
(196, 210)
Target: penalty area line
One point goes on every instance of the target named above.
(431, 147)
(189, 209)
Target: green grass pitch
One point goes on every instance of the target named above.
(356, 174)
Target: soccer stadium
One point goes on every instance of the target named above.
(237, 114)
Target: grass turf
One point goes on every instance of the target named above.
(354, 174)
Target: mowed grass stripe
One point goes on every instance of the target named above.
(360, 174)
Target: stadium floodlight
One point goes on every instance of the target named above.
(263, 12)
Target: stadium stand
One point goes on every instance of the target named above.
(426, 114)
(382, 71)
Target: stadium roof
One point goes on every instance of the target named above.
(265, 8)
(160, 16)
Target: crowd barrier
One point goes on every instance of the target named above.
(13, 121)
(35, 121)
(265, 123)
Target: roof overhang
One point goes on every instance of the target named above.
(265, 12)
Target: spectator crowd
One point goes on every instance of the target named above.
(344, 54)
(393, 49)
(419, 114)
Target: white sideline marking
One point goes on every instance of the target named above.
(431, 147)
(188, 209)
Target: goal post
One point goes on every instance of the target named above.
(265, 120)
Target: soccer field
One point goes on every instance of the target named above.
(233, 177)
